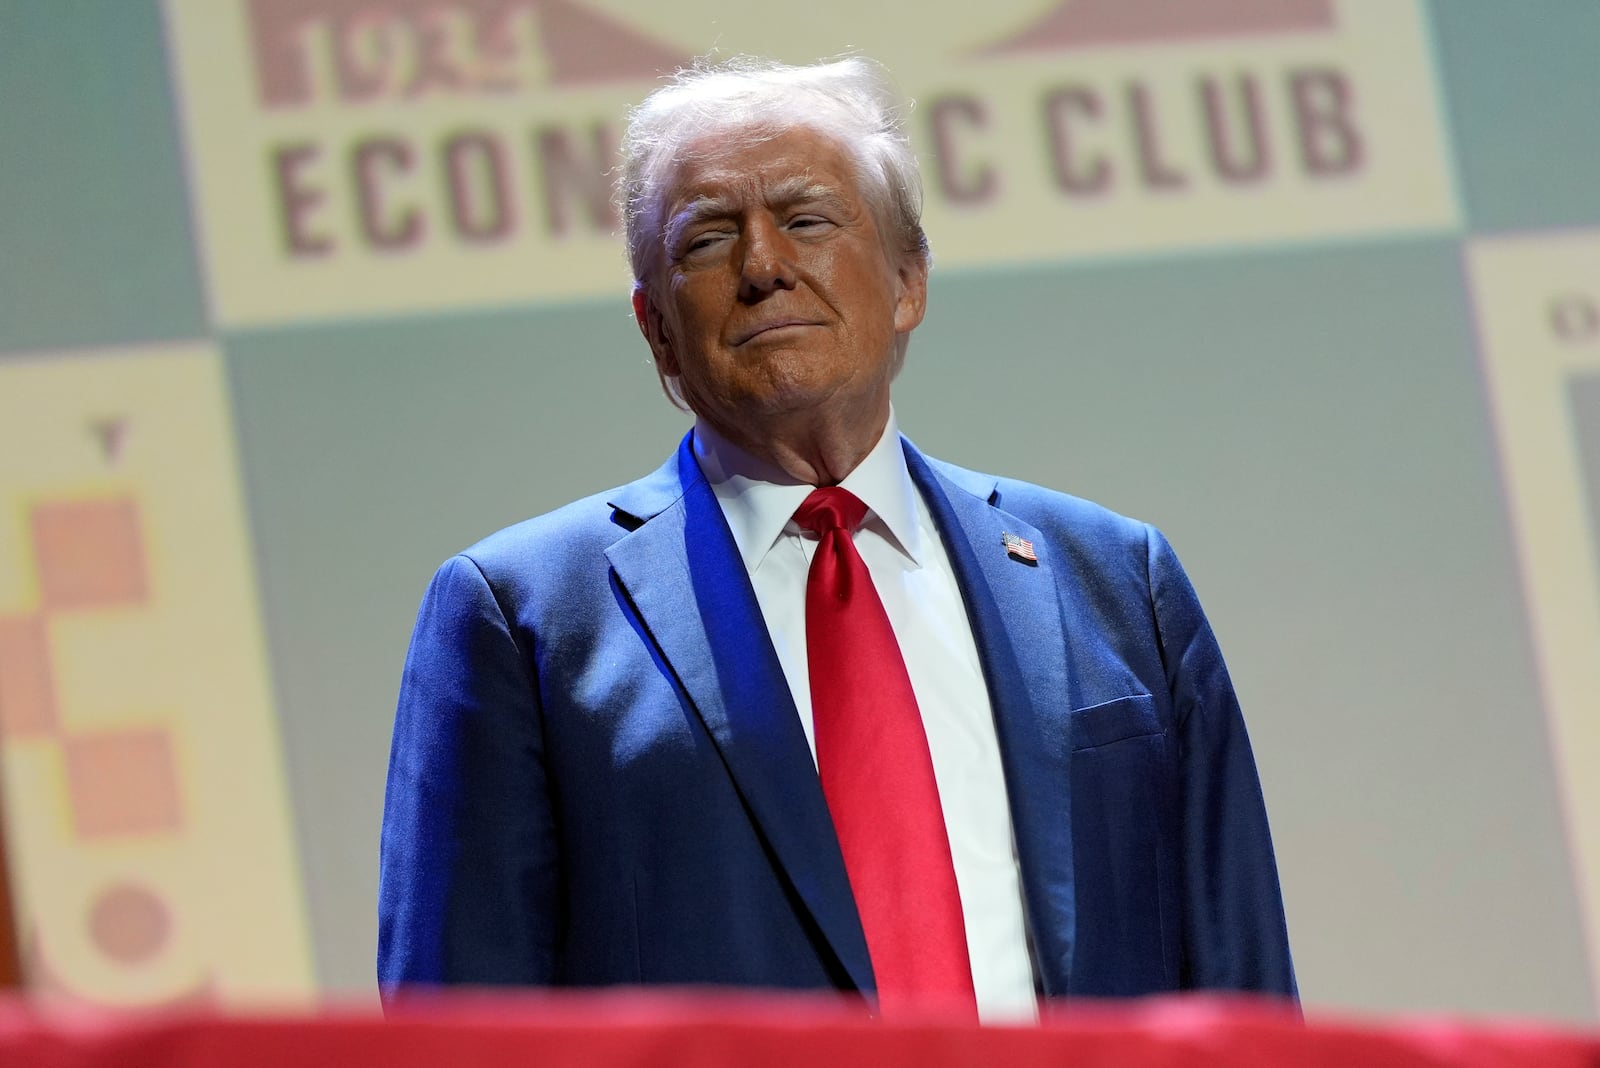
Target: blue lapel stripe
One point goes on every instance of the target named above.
(683, 574)
(1016, 616)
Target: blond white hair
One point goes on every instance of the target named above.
(852, 100)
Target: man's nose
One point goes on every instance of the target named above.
(768, 262)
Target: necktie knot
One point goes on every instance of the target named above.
(830, 508)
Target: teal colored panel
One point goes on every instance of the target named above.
(1309, 426)
(94, 233)
(371, 452)
(1523, 85)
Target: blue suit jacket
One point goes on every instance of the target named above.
(598, 774)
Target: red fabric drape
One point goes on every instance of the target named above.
(663, 1032)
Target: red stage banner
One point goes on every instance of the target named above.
(626, 1031)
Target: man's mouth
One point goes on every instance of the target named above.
(771, 327)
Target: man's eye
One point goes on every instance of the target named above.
(702, 241)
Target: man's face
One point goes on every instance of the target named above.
(775, 296)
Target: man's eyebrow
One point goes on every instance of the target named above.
(798, 189)
(801, 189)
(695, 211)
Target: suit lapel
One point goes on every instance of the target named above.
(1016, 615)
(682, 572)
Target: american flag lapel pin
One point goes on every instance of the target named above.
(1019, 548)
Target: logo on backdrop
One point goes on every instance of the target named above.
(360, 156)
(355, 51)
(1102, 136)
(1099, 23)
(1105, 135)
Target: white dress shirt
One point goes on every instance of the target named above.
(912, 573)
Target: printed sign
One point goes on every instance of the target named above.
(1538, 310)
(147, 813)
(354, 157)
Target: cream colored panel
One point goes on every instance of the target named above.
(1538, 310)
(147, 812)
(353, 158)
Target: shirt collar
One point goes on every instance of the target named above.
(759, 500)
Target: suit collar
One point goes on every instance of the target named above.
(682, 574)
(985, 488)
(641, 501)
(1016, 613)
(759, 500)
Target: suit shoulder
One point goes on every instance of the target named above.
(1059, 514)
(560, 549)
(587, 521)
(586, 528)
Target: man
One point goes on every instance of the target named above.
(806, 708)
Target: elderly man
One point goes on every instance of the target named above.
(806, 708)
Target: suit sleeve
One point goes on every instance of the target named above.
(468, 888)
(1234, 933)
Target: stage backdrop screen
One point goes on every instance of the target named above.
(299, 297)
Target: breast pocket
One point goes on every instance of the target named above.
(1112, 721)
(1123, 842)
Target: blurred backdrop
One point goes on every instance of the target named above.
(298, 297)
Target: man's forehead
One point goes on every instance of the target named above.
(793, 161)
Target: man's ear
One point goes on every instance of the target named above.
(912, 302)
(648, 316)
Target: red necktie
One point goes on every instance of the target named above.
(877, 776)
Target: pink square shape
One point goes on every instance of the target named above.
(27, 689)
(123, 783)
(89, 553)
